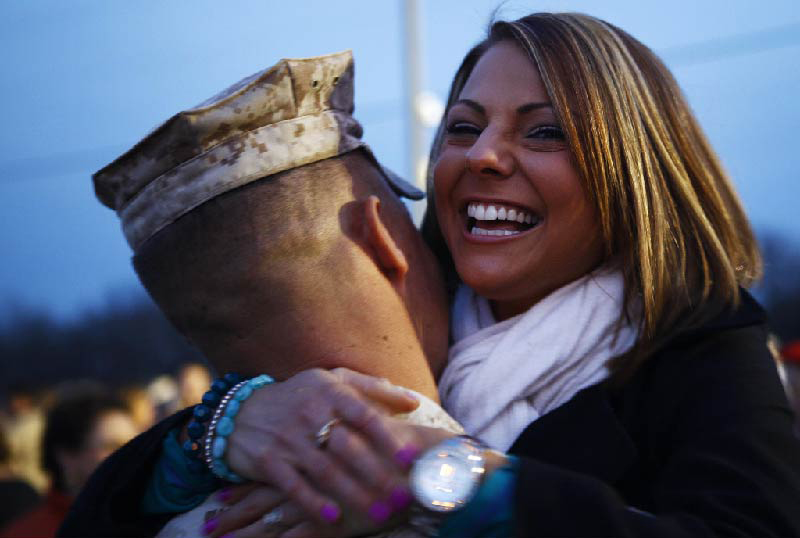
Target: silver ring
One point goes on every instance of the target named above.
(323, 435)
(273, 518)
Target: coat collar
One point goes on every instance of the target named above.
(583, 435)
(746, 314)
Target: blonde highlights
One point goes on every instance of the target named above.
(670, 218)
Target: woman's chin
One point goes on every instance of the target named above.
(490, 287)
(493, 277)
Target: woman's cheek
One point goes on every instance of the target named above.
(445, 174)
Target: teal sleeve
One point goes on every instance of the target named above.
(490, 513)
(172, 487)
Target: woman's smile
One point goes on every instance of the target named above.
(497, 220)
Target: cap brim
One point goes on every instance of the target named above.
(401, 186)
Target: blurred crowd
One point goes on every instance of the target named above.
(53, 438)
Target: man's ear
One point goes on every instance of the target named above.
(387, 255)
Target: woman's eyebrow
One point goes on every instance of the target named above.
(522, 109)
(477, 107)
(527, 107)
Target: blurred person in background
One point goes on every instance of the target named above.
(23, 429)
(82, 428)
(193, 380)
(163, 392)
(140, 405)
(790, 366)
(16, 495)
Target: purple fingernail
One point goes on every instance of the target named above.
(224, 495)
(406, 455)
(209, 526)
(380, 511)
(400, 498)
(330, 512)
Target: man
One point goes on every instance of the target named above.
(270, 236)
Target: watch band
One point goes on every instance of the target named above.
(424, 521)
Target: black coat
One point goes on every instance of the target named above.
(699, 442)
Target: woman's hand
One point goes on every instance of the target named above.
(380, 507)
(259, 511)
(252, 510)
(276, 441)
(263, 511)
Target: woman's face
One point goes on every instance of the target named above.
(509, 201)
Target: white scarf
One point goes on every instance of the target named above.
(500, 377)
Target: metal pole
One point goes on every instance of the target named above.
(413, 76)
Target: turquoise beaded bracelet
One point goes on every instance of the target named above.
(222, 425)
(201, 413)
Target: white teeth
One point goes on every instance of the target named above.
(490, 212)
(481, 231)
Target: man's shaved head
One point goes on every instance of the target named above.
(274, 252)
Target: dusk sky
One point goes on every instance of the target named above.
(83, 80)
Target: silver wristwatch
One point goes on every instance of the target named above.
(444, 479)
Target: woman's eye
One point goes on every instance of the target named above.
(546, 132)
(463, 128)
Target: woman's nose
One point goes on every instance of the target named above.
(489, 157)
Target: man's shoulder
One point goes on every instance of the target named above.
(430, 413)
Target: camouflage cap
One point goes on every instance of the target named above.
(294, 113)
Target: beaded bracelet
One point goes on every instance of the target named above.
(200, 415)
(212, 427)
(222, 425)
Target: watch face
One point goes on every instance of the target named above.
(444, 480)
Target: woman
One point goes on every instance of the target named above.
(603, 338)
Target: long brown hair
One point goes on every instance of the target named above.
(669, 214)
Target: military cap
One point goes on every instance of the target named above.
(297, 112)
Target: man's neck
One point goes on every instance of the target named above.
(366, 328)
(401, 362)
